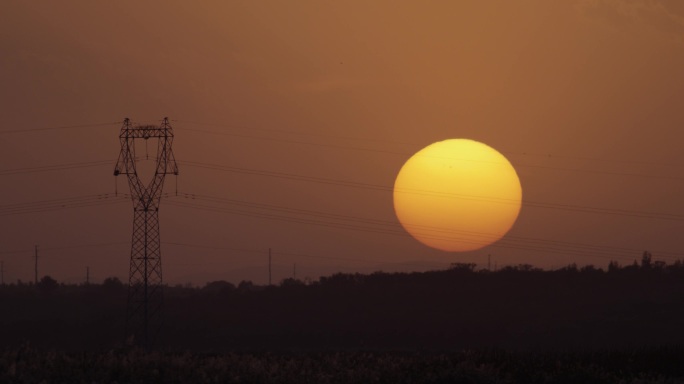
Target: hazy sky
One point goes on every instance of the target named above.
(583, 97)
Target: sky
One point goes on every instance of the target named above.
(295, 117)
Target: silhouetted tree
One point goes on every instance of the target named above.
(462, 267)
(436, 309)
(47, 284)
(613, 266)
(112, 284)
(521, 268)
(659, 265)
(218, 287)
(676, 266)
(245, 285)
(341, 279)
(646, 260)
(291, 282)
(589, 269)
(570, 268)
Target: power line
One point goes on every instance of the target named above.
(354, 184)
(57, 128)
(102, 199)
(57, 204)
(274, 130)
(306, 255)
(322, 219)
(370, 260)
(61, 248)
(333, 220)
(339, 137)
(56, 201)
(64, 247)
(403, 154)
(275, 253)
(289, 141)
(407, 154)
(56, 167)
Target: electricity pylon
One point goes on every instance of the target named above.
(145, 296)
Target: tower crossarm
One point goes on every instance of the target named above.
(166, 161)
(146, 197)
(126, 162)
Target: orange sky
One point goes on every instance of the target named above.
(583, 97)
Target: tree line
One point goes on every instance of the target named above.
(516, 307)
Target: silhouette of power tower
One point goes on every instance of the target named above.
(145, 295)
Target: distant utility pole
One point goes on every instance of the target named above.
(269, 266)
(36, 269)
(489, 262)
(87, 275)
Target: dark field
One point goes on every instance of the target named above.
(517, 325)
(662, 365)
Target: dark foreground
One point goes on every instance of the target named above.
(517, 325)
(655, 365)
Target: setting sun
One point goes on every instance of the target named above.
(457, 195)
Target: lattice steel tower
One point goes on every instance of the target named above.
(145, 296)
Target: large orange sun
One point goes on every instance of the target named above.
(457, 195)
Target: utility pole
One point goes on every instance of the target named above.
(269, 266)
(145, 296)
(35, 281)
(87, 275)
(489, 263)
